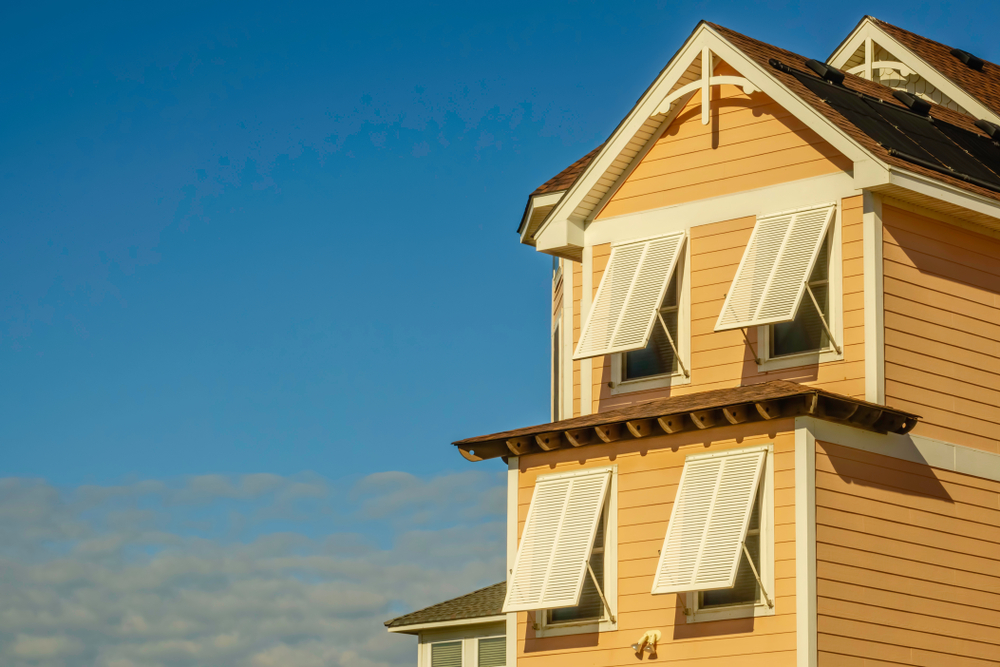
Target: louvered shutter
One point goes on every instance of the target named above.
(446, 654)
(708, 523)
(493, 652)
(631, 290)
(557, 541)
(770, 281)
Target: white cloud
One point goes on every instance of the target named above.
(116, 576)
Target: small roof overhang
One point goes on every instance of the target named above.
(698, 411)
(480, 607)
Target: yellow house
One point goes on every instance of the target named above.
(775, 434)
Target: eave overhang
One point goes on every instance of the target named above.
(692, 412)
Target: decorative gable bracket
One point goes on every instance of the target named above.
(704, 84)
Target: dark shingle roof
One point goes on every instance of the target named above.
(477, 604)
(983, 85)
(567, 176)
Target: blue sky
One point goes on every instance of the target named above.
(259, 268)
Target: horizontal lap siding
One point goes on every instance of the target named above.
(942, 327)
(648, 474)
(720, 360)
(751, 142)
(908, 563)
(600, 366)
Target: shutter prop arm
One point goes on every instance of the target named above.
(593, 577)
(822, 318)
(760, 583)
(670, 339)
(749, 346)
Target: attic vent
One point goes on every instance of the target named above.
(831, 74)
(989, 128)
(970, 60)
(913, 103)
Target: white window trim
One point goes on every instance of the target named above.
(427, 650)
(766, 553)
(836, 287)
(475, 648)
(469, 636)
(683, 342)
(545, 629)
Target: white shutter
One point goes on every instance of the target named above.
(770, 280)
(446, 654)
(557, 541)
(708, 523)
(631, 290)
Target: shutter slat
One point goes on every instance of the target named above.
(770, 280)
(446, 654)
(493, 652)
(708, 522)
(557, 541)
(633, 285)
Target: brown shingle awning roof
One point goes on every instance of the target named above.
(701, 410)
(483, 603)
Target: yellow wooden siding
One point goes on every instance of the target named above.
(720, 360)
(751, 142)
(577, 297)
(648, 474)
(942, 327)
(907, 561)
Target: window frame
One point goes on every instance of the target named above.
(430, 649)
(583, 626)
(476, 647)
(750, 609)
(835, 280)
(683, 342)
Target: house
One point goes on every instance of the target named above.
(775, 433)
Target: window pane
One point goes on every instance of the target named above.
(806, 332)
(745, 589)
(658, 356)
(447, 654)
(493, 652)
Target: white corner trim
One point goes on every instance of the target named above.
(909, 447)
(512, 485)
(482, 620)
(567, 339)
(587, 365)
(805, 546)
(874, 315)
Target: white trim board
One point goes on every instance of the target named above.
(440, 625)
(874, 296)
(805, 545)
(513, 470)
(909, 447)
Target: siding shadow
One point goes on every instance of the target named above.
(685, 630)
(912, 477)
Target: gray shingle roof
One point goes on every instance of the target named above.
(477, 604)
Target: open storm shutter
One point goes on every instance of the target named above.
(557, 541)
(770, 280)
(708, 522)
(631, 290)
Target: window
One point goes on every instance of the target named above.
(723, 510)
(806, 332)
(492, 652)
(446, 654)
(569, 531)
(658, 357)
(632, 290)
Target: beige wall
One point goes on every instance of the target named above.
(907, 563)
(648, 474)
(942, 327)
(751, 142)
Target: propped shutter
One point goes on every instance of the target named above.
(708, 523)
(770, 280)
(631, 290)
(557, 541)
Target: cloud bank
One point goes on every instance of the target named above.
(254, 570)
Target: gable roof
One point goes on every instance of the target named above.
(696, 411)
(481, 603)
(760, 53)
(984, 85)
(567, 176)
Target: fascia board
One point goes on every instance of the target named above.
(483, 620)
(937, 78)
(777, 91)
(847, 47)
(943, 191)
(537, 201)
(624, 133)
(551, 237)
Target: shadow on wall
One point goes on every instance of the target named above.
(914, 477)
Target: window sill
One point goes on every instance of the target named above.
(801, 359)
(589, 626)
(725, 613)
(654, 382)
